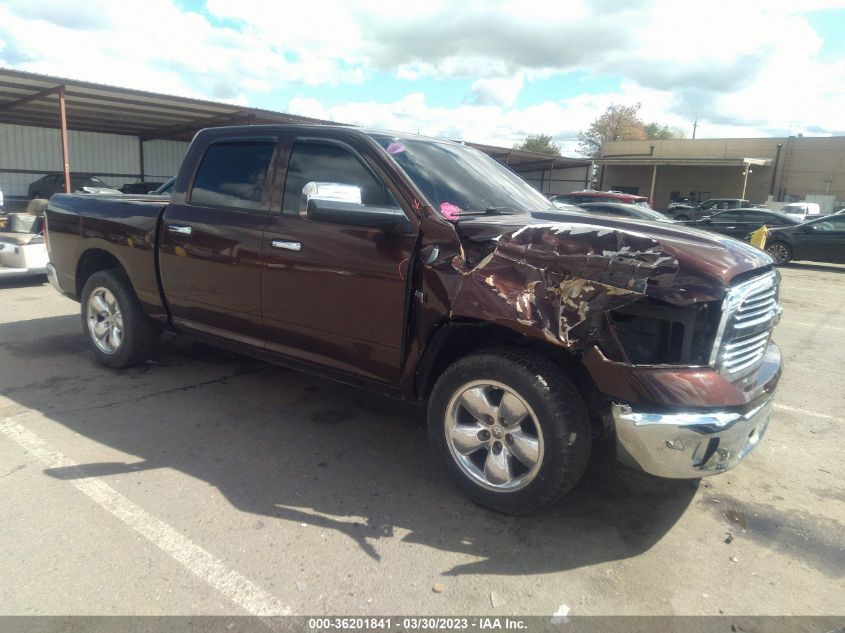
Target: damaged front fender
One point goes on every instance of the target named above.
(557, 281)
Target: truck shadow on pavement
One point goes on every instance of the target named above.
(824, 268)
(295, 448)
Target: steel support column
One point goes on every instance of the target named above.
(63, 122)
(653, 181)
(745, 180)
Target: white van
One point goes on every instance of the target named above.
(802, 210)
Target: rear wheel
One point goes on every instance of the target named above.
(511, 428)
(682, 218)
(119, 333)
(779, 252)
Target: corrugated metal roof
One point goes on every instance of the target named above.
(32, 99)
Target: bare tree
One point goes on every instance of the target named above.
(617, 123)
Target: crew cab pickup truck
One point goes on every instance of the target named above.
(424, 269)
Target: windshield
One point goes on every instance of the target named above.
(460, 180)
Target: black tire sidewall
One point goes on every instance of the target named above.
(788, 257)
(560, 412)
(136, 346)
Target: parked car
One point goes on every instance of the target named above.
(739, 222)
(140, 187)
(166, 188)
(677, 208)
(47, 185)
(819, 240)
(426, 270)
(803, 210)
(709, 207)
(22, 249)
(580, 197)
(624, 210)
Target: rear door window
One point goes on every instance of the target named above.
(233, 174)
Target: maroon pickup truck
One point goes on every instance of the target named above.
(425, 270)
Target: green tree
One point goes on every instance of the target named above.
(617, 123)
(542, 143)
(662, 132)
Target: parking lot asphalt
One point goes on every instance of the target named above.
(210, 483)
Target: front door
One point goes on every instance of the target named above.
(335, 294)
(210, 253)
(823, 240)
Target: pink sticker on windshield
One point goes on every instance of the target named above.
(450, 211)
(395, 148)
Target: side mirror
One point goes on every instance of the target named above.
(328, 191)
(341, 204)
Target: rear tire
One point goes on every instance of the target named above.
(511, 428)
(119, 333)
(780, 252)
(682, 218)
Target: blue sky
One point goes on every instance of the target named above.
(483, 70)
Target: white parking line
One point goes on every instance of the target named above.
(813, 325)
(803, 289)
(191, 556)
(812, 414)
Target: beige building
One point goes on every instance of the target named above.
(788, 169)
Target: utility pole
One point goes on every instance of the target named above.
(694, 126)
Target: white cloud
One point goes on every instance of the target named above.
(497, 90)
(741, 68)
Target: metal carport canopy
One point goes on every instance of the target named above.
(524, 160)
(33, 99)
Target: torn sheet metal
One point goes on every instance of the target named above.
(556, 281)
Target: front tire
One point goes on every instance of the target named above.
(119, 333)
(780, 252)
(511, 428)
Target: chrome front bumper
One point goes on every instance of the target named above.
(688, 445)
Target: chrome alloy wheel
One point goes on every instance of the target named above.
(105, 321)
(494, 436)
(778, 252)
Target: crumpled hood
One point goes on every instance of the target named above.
(674, 263)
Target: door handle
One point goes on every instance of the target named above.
(287, 245)
(180, 228)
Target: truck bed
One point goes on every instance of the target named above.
(83, 228)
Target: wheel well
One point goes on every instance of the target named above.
(454, 340)
(93, 261)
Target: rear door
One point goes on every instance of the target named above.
(335, 294)
(753, 220)
(728, 223)
(210, 254)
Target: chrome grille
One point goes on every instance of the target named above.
(749, 313)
